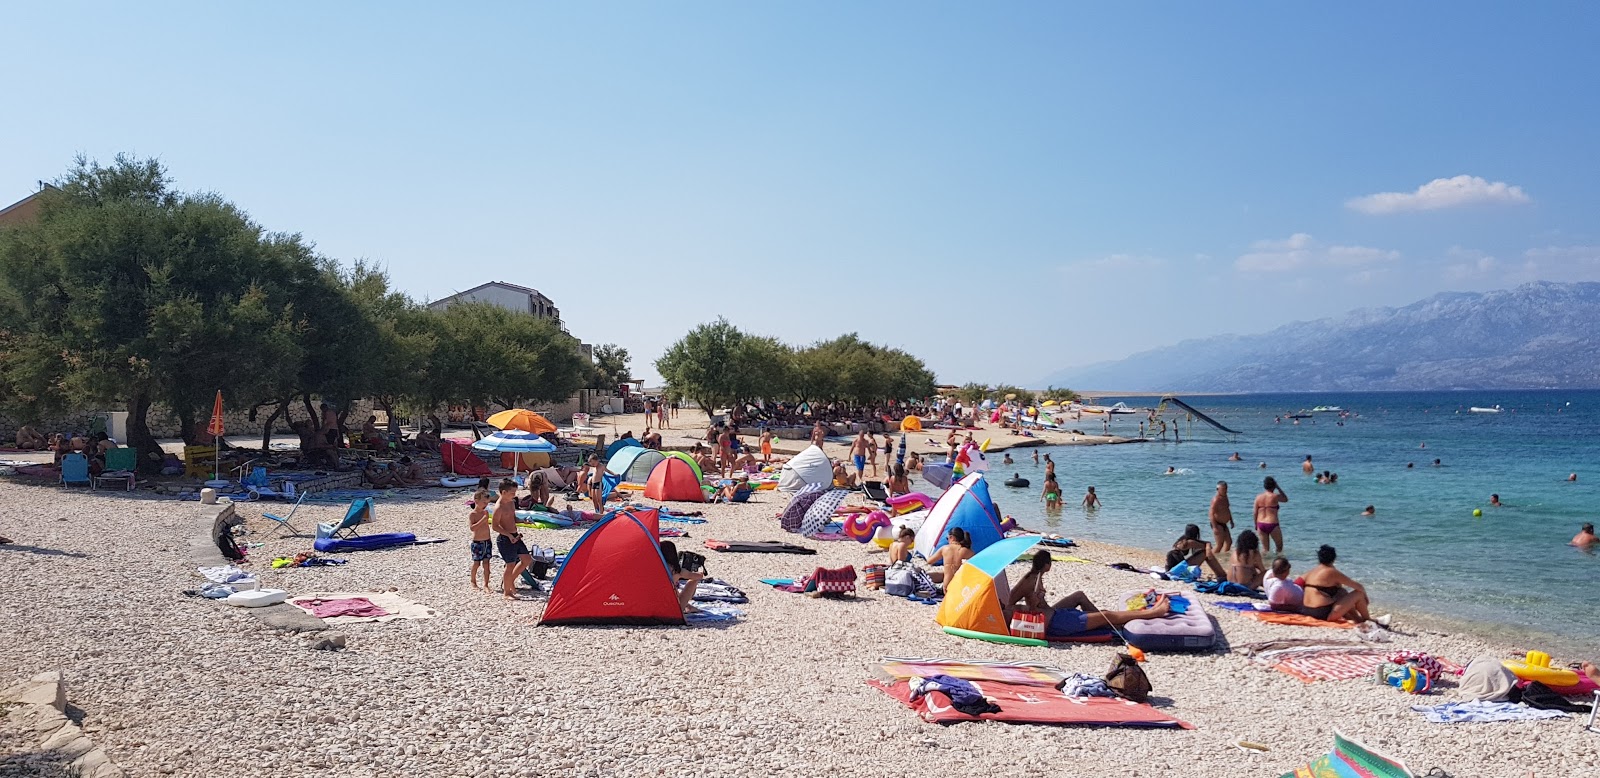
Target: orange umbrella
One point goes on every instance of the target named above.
(215, 428)
(521, 419)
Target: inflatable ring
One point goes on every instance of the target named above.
(1019, 482)
(1537, 668)
(860, 527)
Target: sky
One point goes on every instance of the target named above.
(1002, 189)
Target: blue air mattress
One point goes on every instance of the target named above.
(365, 542)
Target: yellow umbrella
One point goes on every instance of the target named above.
(521, 419)
(1049, 403)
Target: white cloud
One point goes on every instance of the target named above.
(1469, 264)
(1301, 250)
(1441, 193)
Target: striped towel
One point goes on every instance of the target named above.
(1332, 666)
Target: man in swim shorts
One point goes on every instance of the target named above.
(858, 454)
(1266, 514)
(509, 540)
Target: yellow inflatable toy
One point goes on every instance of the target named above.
(1536, 667)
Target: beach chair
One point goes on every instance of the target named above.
(283, 522)
(874, 491)
(123, 458)
(198, 461)
(75, 470)
(361, 510)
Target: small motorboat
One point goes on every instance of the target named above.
(1327, 409)
(1476, 409)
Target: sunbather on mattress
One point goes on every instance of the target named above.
(1073, 613)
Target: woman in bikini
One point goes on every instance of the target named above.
(1331, 595)
(1052, 492)
(1266, 510)
(1073, 613)
(1248, 566)
(899, 482)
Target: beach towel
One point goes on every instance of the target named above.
(1297, 619)
(359, 607)
(713, 613)
(963, 695)
(1228, 589)
(756, 547)
(1483, 711)
(717, 590)
(225, 574)
(397, 607)
(1031, 704)
(1018, 673)
(1332, 666)
(1242, 607)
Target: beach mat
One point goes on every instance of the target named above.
(1019, 673)
(757, 547)
(1031, 704)
(1297, 620)
(1332, 666)
(713, 613)
(1350, 758)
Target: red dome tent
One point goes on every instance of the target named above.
(673, 479)
(615, 575)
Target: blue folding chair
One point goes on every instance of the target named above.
(360, 510)
(75, 470)
(281, 523)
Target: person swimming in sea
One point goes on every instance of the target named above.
(1008, 458)
(1370, 511)
(1091, 500)
(1235, 457)
(1171, 470)
(1572, 477)
(1585, 537)
(1437, 463)
(1494, 501)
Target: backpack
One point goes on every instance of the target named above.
(229, 548)
(1128, 680)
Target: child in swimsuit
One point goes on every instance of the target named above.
(1052, 492)
(482, 546)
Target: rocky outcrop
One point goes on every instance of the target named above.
(35, 713)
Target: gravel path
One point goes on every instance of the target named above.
(175, 685)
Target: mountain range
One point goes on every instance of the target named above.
(1536, 336)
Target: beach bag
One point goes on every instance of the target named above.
(899, 580)
(1025, 624)
(1128, 680)
(874, 575)
(690, 562)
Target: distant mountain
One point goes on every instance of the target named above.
(1539, 335)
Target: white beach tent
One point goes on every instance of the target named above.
(808, 467)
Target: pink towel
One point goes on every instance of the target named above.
(348, 606)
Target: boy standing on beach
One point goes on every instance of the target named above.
(512, 550)
(1222, 518)
(482, 546)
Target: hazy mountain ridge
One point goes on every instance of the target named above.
(1538, 335)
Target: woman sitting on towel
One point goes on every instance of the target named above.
(1074, 613)
(1248, 566)
(688, 581)
(957, 550)
(1331, 595)
(899, 483)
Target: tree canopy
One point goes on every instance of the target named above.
(717, 364)
(127, 291)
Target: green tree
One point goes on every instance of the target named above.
(1014, 393)
(487, 354)
(972, 393)
(126, 291)
(1061, 395)
(703, 365)
(610, 366)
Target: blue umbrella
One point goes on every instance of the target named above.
(515, 442)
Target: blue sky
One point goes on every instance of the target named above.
(1004, 190)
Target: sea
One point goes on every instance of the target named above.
(1508, 574)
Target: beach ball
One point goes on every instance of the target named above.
(1477, 511)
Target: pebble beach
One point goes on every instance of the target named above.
(170, 684)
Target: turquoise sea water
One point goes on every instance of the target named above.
(1509, 572)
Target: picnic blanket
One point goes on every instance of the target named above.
(393, 605)
(1479, 711)
(1333, 665)
(1031, 704)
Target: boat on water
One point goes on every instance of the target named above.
(1327, 409)
(1476, 409)
(1299, 415)
(1118, 409)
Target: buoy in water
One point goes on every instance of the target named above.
(1477, 511)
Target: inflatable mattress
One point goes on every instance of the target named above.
(364, 542)
(1189, 631)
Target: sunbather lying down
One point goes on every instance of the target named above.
(1073, 613)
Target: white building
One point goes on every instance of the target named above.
(512, 297)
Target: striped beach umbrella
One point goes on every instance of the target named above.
(515, 442)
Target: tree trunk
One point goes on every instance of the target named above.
(311, 410)
(139, 437)
(266, 426)
(186, 423)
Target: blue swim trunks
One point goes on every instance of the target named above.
(482, 550)
(1066, 622)
(861, 462)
